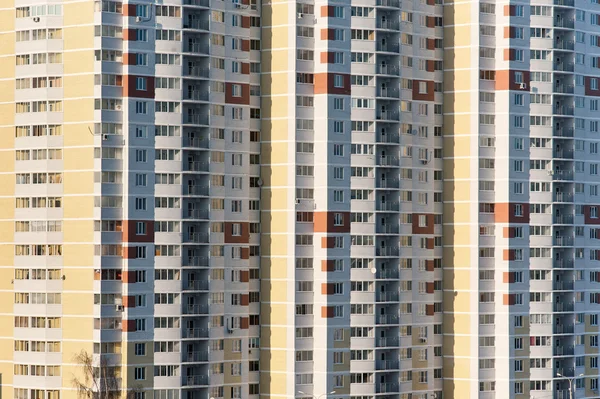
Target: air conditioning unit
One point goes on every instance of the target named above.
(260, 182)
(297, 201)
(119, 308)
(300, 15)
(238, 5)
(138, 19)
(118, 107)
(424, 161)
(423, 340)
(551, 172)
(36, 19)
(105, 136)
(522, 85)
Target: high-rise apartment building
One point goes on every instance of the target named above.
(353, 200)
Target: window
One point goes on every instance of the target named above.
(140, 373)
(140, 349)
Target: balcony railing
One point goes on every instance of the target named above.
(196, 333)
(387, 274)
(387, 251)
(387, 230)
(195, 142)
(563, 197)
(197, 261)
(388, 206)
(564, 307)
(563, 350)
(195, 309)
(196, 48)
(562, 67)
(390, 25)
(196, 25)
(563, 110)
(563, 132)
(198, 72)
(563, 219)
(563, 329)
(384, 342)
(562, 175)
(388, 48)
(387, 387)
(563, 285)
(566, 3)
(197, 166)
(195, 285)
(196, 213)
(388, 3)
(388, 116)
(564, 45)
(388, 92)
(565, 89)
(388, 70)
(387, 297)
(563, 241)
(192, 380)
(387, 319)
(197, 238)
(195, 357)
(197, 3)
(386, 160)
(196, 190)
(387, 365)
(564, 23)
(197, 95)
(563, 263)
(565, 154)
(197, 120)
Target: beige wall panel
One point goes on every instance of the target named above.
(7, 111)
(74, 134)
(275, 175)
(78, 183)
(276, 198)
(78, 279)
(79, 109)
(78, 158)
(276, 83)
(79, 86)
(78, 254)
(78, 13)
(272, 337)
(457, 80)
(276, 270)
(78, 231)
(275, 313)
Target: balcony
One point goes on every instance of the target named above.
(562, 175)
(564, 89)
(564, 307)
(389, 25)
(385, 319)
(387, 387)
(196, 120)
(196, 261)
(562, 67)
(199, 214)
(388, 206)
(564, 45)
(387, 342)
(196, 95)
(386, 92)
(196, 190)
(387, 251)
(563, 110)
(387, 274)
(564, 154)
(565, 3)
(193, 142)
(388, 116)
(386, 160)
(387, 297)
(195, 333)
(563, 23)
(388, 3)
(195, 357)
(389, 138)
(193, 380)
(195, 309)
(388, 48)
(563, 219)
(388, 70)
(195, 285)
(197, 72)
(196, 48)
(562, 241)
(196, 166)
(563, 197)
(197, 3)
(563, 351)
(563, 329)
(196, 238)
(388, 183)
(563, 286)
(385, 229)
(196, 25)
(387, 365)
(563, 132)
(563, 263)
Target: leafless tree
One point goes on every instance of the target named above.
(99, 380)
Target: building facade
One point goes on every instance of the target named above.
(235, 199)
